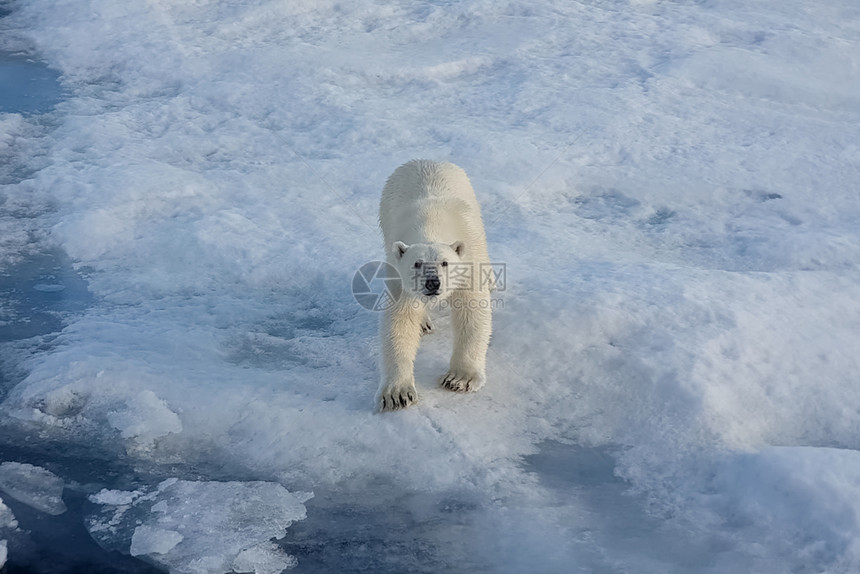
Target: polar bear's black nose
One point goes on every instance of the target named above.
(431, 285)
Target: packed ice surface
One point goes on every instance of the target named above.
(195, 527)
(797, 490)
(34, 486)
(672, 186)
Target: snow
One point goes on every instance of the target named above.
(793, 491)
(672, 186)
(195, 527)
(34, 486)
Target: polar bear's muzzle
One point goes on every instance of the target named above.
(431, 284)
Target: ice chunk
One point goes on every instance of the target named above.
(145, 419)
(7, 519)
(33, 486)
(63, 402)
(265, 558)
(193, 527)
(149, 540)
(115, 497)
(7, 522)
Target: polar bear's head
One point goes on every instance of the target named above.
(428, 269)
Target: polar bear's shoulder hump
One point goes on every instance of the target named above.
(425, 178)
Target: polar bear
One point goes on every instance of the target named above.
(434, 237)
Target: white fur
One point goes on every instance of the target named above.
(429, 215)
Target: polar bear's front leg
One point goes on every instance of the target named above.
(472, 321)
(400, 332)
(426, 324)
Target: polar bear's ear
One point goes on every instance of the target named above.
(399, 248)
(459, 247)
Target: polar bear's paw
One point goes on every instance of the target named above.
(394, 397)
(463, 381)
(426, 326)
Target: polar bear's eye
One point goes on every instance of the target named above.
(418, 264)
(444, 264)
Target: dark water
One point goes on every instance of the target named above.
(37, 298)
(45, 544)
(40, 295)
